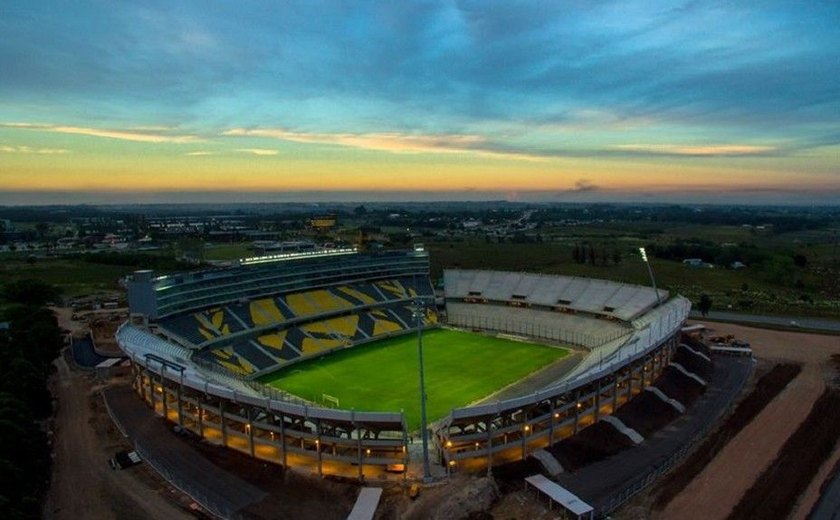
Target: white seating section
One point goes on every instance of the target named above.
(550, 325)
(600, 297)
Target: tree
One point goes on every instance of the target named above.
(800, 260)
(27, 349)
(42, 228)
(705, 304)
(31, 292)
(780, 270)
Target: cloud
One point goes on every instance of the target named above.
(199, 153)
(696, 150)
(582, 185)
(392, 142)
(143, 135)
(30, 150)
(258, 151)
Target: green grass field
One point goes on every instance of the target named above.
(460, 368)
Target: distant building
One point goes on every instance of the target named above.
(471, 224)
(322, 223)
(737, 265)
(693, 262)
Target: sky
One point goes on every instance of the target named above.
(573, 101)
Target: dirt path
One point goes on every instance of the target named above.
(720, 486)
(83, 485)
(809, 498)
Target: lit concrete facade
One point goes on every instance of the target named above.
(335, 442)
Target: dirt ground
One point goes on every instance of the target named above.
(66, 321)
(525, 504)
(83, 484)
(720, 486)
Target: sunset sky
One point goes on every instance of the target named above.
(707, 101)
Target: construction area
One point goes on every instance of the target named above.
(715, 458)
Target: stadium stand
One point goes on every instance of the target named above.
(188, 329)
(226, 358)
(261, 315)
(356, 294)
(268, 352)
(597, 297)
(197, 341)
(276, 345)
(555, 326)
(266, 311)
(206, 326)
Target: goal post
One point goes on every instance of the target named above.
(330, 400)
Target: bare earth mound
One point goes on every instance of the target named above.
(775, 492)
(719, 487)
(679, 386)
(592, 444)
(647, 413)
(764, 391)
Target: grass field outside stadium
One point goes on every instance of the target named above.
(460, 368)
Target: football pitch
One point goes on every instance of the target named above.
(460, 368)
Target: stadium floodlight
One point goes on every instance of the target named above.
(650, 272)
(419, 311)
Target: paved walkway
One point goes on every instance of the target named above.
(819, 324)
(184, 467)
(598, 483)
(828, 506)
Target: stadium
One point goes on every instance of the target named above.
(311, 359)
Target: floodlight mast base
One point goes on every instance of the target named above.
(424, 430)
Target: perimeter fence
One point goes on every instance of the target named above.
(639, 484)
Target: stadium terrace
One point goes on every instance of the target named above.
(241, 356)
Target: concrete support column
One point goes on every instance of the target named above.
(652, 372)
(597, 400)
(152, 397)
(526, 430)
(163, 391)
(577, 411)
(405, 458)
(615, 392)
(641, 372)
(222, 420)
(488, 424)
(178, 395)
(551, 422)
(200, 418)
(359, 452)
(318, 447)
(283, 439)
(250, 431)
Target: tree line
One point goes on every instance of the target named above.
(596, 255)
(28, 347)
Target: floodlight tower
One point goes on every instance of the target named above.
(419, 312)
(650, 272)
